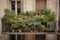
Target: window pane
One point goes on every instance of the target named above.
(58, 37)
(13, 5)
(18, 7)
(12, 37)
(40, 37)
(20, 37)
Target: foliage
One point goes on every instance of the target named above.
(46, 15)
(9, 18)
(51, 26)
(44, 11)
(52, 16)
(12, 21)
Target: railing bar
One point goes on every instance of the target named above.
(16, 36)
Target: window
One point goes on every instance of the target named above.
(13, 5)
(40, 37)
(58, 37)
(12, 37)
(17, 37)
(27, 37)
(16, 6)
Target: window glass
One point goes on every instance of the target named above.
(12, 37)
(13, 5)
(18, 7)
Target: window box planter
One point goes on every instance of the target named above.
(37, 27)
(28, 22)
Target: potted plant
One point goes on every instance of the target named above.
(20, 29)
(22, 21)
(37, 18)
(42, 28)
(51, 26)
(46, 16)
(52, 22)
(25, 27)
(9, 17)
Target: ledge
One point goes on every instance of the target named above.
(31, 33)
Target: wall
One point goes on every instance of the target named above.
(51, 4)
(3, 5)
(40, 4)
(29, 5)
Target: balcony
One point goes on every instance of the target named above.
(29, 25)
(40, 21)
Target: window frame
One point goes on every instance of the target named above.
(21, 5)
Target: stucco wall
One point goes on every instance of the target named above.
(40, 4)
(29, 5)
(51, 4)
(3, 5)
